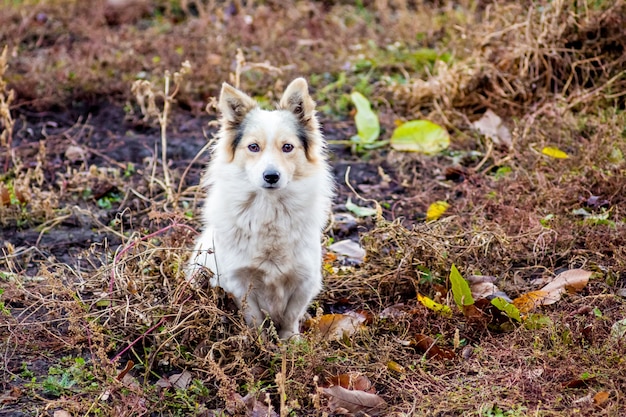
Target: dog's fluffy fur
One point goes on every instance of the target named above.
(269, 193)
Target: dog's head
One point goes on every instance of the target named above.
(272, 147)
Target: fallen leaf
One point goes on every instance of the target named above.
(428, 345)
(491, 126)
(367, 124)
(482, 286)
(554, 153)
(350, 249)
(181, 381)
(337, 326)
(256, 407)
(396, 311)
(460, 288)
(129, 365)
(436, 210)
(571, 280)
(618, 330)
(600, 398)
(433, 305)
(130, 381)
(579, 382)
(474, 311)
(360, 211)
(616, 156)
(353, 402)
(527, 302)
(396, 367)
(75, 153)
(508, 308)
(11, 396)
(61, 413)
(354, 381)
(587, 399)
(421, 136)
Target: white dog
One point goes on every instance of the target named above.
(269, 194)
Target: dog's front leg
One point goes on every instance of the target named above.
(252, 312)
(296, 307)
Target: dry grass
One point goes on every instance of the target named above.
(553, 71)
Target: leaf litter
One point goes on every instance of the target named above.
(491, 228)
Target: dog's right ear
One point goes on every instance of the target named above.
(234, 105)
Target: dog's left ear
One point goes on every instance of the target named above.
(297, 100)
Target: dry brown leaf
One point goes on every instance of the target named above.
(343, 401)
(180, 381)
(337, 326)
(578, 382)
(482, 286)
(257, 408)
(571, 280)
(127, 368)
(600, 398)
(473, 311)
(11, 396)
(354, 381)
(428, 345)
(396, 311)
(490, 125)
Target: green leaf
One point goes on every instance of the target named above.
(420, 136)
(358, 210)
(460, 289)
(367, 124)
(508, 308)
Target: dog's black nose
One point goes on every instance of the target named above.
(271, 177)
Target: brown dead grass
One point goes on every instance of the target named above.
(552, 70)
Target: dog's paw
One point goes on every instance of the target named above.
(288, 335)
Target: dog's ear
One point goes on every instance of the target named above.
(297, 100)
(234, 105)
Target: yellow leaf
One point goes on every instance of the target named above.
(527, 302)
(396, 367)
(554, 152)
(433, 305)
(436, 210)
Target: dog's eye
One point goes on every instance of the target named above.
(253, 147)
(287, 147)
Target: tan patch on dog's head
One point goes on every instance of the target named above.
(298, 125)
